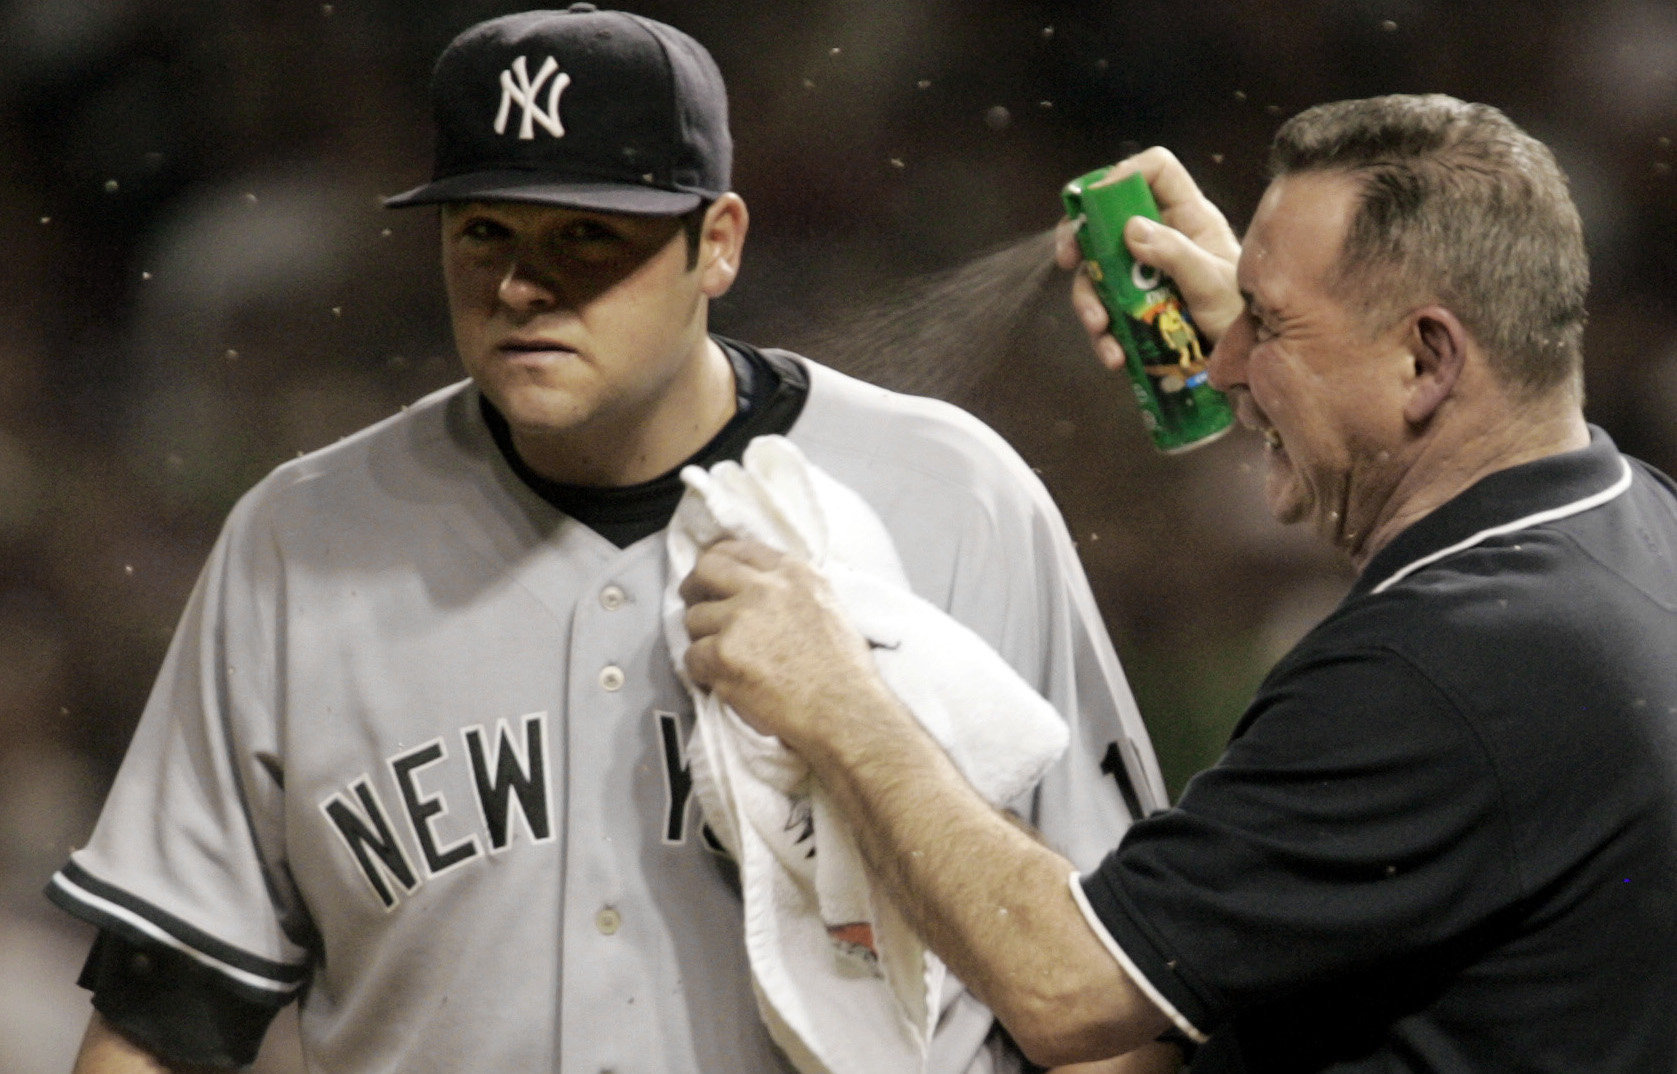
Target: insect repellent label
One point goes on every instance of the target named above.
(1164, 353)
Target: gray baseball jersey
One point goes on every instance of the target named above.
(417, 751)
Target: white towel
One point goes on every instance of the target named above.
(842, 983)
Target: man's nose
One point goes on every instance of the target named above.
(1226, 366)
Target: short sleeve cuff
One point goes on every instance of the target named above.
(1172, 1010)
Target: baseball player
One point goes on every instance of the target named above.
(416, 757)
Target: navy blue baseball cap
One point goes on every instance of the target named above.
(581, 108)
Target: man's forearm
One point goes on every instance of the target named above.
(771, 640)
(991, 900)
(106, 1051)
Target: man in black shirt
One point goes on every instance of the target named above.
(1444, 835)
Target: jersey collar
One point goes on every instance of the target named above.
(1504, 502)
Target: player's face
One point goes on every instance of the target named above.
(583, 328)
(1306, 370)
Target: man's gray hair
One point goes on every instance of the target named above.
(1462, 207)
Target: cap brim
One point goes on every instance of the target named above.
(545, 190)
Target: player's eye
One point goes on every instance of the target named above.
(586, 230)
(483, 229)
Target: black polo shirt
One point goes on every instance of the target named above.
(1444, 835)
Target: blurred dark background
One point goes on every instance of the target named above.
(199, 282)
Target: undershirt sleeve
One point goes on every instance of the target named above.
(1353, 823)
(171, 1006)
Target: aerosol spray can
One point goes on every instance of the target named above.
(1164, 353)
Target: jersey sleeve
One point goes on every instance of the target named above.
(1020, 585)
(1351, 836)
(186, 868)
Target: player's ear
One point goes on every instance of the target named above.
(721, 243)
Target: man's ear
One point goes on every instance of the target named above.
(721, 243)
(1439, 345)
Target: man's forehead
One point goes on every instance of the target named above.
(1298, 228)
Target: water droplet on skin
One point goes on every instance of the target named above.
(998, 118)
(1047, 32)
(45, 220)
(834, 51)
(111, 186)
(326, 10)
(1389, 26)
(924, 83)
(897, 162)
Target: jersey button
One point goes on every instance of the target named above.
(611, 678)
(607, 921)
(612, 598)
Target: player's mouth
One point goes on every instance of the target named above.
(534, 348)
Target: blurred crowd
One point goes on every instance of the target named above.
(200, 282)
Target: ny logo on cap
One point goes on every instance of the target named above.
(516, 85)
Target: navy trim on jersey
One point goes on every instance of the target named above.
(77, 891)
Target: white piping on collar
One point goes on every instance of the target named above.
(1573, 508)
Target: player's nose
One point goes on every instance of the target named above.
(524, 287)
(527, 284)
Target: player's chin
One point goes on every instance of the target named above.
(533, 407)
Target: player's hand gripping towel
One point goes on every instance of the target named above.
(842, 983)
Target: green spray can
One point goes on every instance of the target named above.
(1164, 353)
